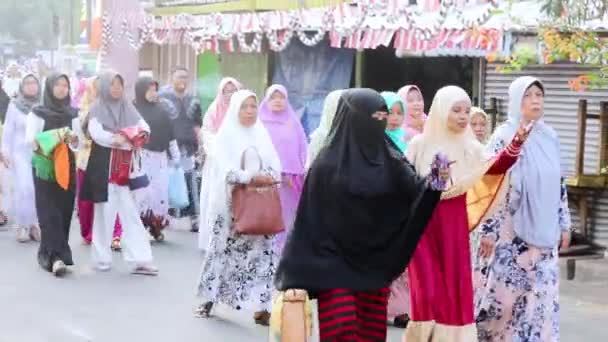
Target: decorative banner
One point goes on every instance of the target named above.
(370, 24)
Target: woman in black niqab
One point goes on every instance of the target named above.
(362, 212)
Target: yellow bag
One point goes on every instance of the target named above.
(291, 318)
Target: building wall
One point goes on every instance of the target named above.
(561, 105)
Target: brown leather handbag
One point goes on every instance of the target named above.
(256, 210)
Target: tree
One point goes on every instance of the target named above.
(564, 38)
(31, 21)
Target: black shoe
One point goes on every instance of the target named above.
(401, 321)
(194, 228)
(173, 212)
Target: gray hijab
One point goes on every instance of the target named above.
(113, 114)
(536, 177)
(26, 103)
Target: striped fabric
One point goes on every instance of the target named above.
(353, 316)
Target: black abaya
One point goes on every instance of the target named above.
(55, 205)
(363, 208)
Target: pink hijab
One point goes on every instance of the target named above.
(286, 132)
(218, 108)
(409, 123)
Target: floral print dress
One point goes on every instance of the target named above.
(237, 269)
(516, 297)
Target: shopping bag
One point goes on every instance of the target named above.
(178, 191)
(138, 179)
(291, 318)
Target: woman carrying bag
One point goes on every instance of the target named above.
(239, 264)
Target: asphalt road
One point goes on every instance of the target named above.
(119, 307)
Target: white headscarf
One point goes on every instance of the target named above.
(232, 140)
(535, 178)
(318, 137)
(471, 161)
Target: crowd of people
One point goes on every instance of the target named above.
(387, 214)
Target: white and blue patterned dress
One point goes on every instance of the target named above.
(517, 291)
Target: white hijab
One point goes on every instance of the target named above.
(471, 160)
(318, 137)
(232, 140)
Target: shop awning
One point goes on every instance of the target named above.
(175, 7)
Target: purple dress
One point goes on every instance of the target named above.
(290, 142)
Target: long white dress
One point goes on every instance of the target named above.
(20, 192)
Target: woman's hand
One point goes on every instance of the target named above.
(71, 139)
(262, 180)
(119, 140)
(440, 173)
(523, 132)
(486, 247)
(287, 181)
(4, 160)
(566, 238)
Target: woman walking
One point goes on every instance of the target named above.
(154, 204)
(440, 270)
(48, 134)
(362, 213)
(238, 269)
(399, 298)
(17, 153)
(415, 116)
(289, 140)
(85, 208)
(214, 117)
(117, 130)
(520, 300)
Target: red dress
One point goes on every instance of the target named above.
(440, 273)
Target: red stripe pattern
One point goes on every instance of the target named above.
(353, 316)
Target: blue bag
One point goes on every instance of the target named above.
(178, 191)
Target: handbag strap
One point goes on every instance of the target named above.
(256, 152)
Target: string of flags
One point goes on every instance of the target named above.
(366, 25)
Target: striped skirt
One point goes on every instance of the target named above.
(354, 316)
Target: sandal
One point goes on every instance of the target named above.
(145, 270)
(262, 318)
(35, 233)
(3, 219)
(116, 244)
(204, 310)
(401, 321)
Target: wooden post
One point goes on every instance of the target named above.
(580, 143)
(359, 60)
(494, 109)
(603, 128)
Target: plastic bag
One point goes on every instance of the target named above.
(178, 191)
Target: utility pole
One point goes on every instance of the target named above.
(71, 21)
(89, 11)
